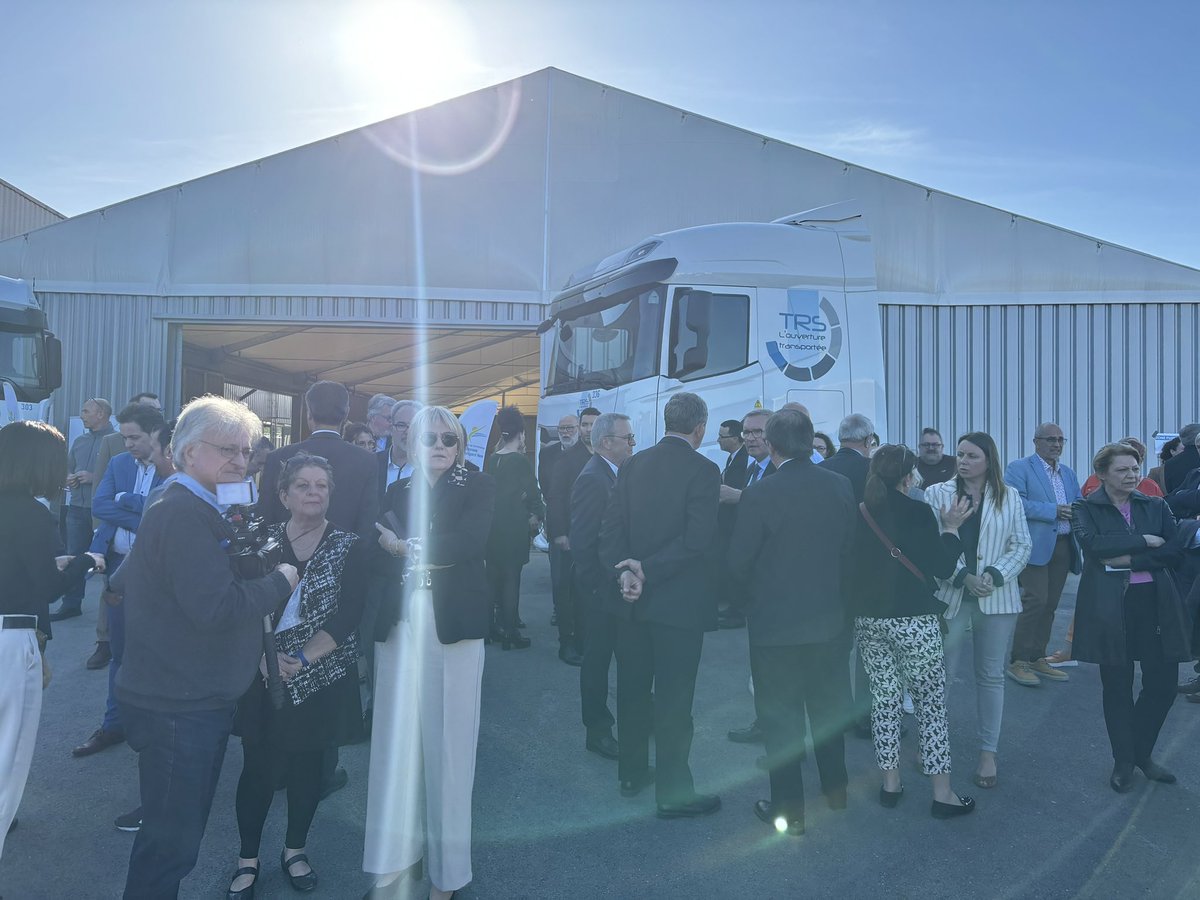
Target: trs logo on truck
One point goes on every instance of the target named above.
(809, 339)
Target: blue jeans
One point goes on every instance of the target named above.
(179, 763)
(78, 520)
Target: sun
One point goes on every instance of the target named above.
(403, 54)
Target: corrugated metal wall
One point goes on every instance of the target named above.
(1101, 371)
(20, 213)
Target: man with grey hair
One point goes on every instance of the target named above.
(658, 533)
(1176, 469)
(393, 460)
(379, 419)
(613, 441)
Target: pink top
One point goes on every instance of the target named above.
(1134, 577)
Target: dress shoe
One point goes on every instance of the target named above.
(1043, 669)
(514, 640)
(303, 883)
(1121, 780)
(698, 805)
(246, 893)
(631, 787)
(836, 798)
(1154, 772)
(63, 614)
(570, 655)
(131, 822)
(950, 811)
(339, 780)
(731, 620)
(889, 799)
(101, 658)
(750, 735)
(603, 745)
(100, 740)
(1190, 687)
(766, 813)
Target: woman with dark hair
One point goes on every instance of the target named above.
(982, 595)
(429, 665)
(1170, 450)
(823, 444)
(1128, 610)
(519, 512)
(33, 463)
(899, 555)
(359, 435)
(316, 637)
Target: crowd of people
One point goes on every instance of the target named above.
(384, 556)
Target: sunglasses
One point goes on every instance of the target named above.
(449, 439)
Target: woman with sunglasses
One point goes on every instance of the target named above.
(429, 666)
(519, 512)
(982, 595)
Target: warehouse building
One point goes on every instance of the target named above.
(432, 242)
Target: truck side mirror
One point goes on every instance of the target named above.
(53, 368)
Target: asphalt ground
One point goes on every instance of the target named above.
(549, 822)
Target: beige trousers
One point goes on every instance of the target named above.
(20, 712)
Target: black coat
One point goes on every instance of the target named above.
(589, 498)
(1185, 499)
(558, 494)
(1176, 469)
(852, 465)
(548, 456)
(454, 534)
(790, 547)
(1100, 605)
(663, 512)
(354, 504)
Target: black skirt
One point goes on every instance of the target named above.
(332, 717)
(1143, 639)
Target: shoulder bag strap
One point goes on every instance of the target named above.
(895, 552)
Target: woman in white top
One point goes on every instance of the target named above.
(983, 592)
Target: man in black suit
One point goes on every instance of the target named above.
(613, 441)
(659, 532)
(393, 460)
(792, 564)
(558, 523)
(354, 504)
(1176, 469)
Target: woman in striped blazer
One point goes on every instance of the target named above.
(983, 593)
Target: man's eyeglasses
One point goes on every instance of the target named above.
(449, 439)
(1052, 440)
(400, 426)
(230, 452)
(627, 438)
(927, 446)
(753, 433)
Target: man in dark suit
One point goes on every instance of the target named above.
(558, 523)
(792, 564)
(613, 441)
(659, 532)
(393, 460)
(354, 505)
(1176, 469)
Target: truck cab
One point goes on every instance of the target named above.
(743, 314)
(30, 356)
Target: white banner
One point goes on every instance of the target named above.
(477, 422)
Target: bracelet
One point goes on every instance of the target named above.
(303, 659)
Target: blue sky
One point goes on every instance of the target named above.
(1086, 115)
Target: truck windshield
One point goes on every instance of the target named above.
(20, 359)
(609, 346)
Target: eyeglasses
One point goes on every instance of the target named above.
(1052, 440)
(927, 446)
(230, 452)
(627, 438)
(753, 433)
(567, 430)
(449, 439)
(400, 426)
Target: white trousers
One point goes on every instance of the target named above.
(423, 741)
(20, 712)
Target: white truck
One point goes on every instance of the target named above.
(743, 314)
(30, 356)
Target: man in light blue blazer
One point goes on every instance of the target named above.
(1047, 488)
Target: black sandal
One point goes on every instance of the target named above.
(303, 883)
(246, 893)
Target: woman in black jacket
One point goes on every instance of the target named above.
(429, 666)
(898, 554)
(33, 463)
(1128, 609)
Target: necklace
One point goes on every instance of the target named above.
(294, 540)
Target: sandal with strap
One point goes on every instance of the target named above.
(303, 883)
(246, 893)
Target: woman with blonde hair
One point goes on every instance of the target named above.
(983, 594)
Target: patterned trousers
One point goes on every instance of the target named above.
(906, 651)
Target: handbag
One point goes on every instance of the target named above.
(895, 552)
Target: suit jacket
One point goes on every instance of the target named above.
(854, 466)
(1027, 476)
(793, 561)
(548, 457)
(354, 505)
(663, 511)
(1004, 547)
(558, 498)
(736, 475)
(382, 458)
(589, 498)
(120, 477)
(1185, 499)
(112, 445)
(1176, 469)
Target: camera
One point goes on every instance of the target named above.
(254, 552)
